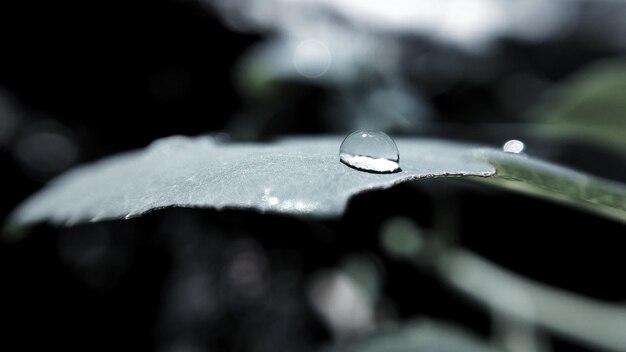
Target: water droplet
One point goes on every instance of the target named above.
(372, 151)
(513, 146)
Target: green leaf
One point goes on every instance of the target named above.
(546, 180)
(298, 176)
(590, 105)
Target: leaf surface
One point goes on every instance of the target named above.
(299, 176)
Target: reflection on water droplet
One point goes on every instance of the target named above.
(372, 151)
(513, 146)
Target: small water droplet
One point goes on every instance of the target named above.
(372, 151)
(513, 146)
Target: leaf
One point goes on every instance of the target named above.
(298, 176)
(590, 106)
(416, 337)
(546, 180)
(594, 323)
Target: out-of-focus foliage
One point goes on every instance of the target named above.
(471, 25)
(590, 106)
(421, 336)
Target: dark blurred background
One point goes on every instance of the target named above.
(83, 80)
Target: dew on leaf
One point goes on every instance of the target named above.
(372, 151)
(513, 146)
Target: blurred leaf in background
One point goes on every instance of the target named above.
(590, 105)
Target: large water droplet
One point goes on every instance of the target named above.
(372, 151)
(513, 146)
